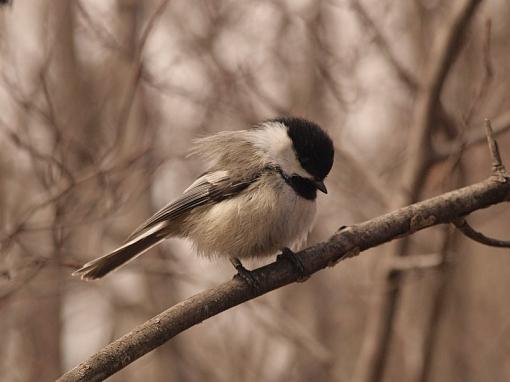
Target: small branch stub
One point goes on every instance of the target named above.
(497, 164)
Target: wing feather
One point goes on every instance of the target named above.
(210, 187)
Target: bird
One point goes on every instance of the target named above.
(258, 197)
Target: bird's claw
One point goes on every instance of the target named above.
(289, 255)
(247, 276)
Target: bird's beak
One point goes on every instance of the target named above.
(319, 184)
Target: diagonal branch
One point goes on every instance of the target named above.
(345, 243)
(464, 227)
(404, 75)
(444, 53)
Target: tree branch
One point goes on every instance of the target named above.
(444, 52)
(345, 243)
(464, 227)
(404, 75)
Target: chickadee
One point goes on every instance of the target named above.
(257, 198)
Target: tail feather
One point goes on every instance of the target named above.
(98, 268)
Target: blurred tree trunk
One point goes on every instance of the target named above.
(63, 90)
(138, 131)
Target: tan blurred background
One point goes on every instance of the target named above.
(99, 103)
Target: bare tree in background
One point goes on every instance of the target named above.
(100, 103)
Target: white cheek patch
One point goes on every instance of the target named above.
(273, 139)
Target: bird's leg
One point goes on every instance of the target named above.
(289, 255)
(245, 274)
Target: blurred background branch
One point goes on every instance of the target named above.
(100, 101)
(446, 45)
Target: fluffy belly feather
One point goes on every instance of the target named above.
(258, 222)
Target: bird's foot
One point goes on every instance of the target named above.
(289, 255)
(247, 276)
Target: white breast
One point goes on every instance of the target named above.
(258, 222)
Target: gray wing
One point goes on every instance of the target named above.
(210, 187)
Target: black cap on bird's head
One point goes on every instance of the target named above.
(312, 145)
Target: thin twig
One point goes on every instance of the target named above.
(135, 77)
(464, 227)
(497, 164)
(377, 186)
(487, 76)
(100, 31)
(404, 75)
